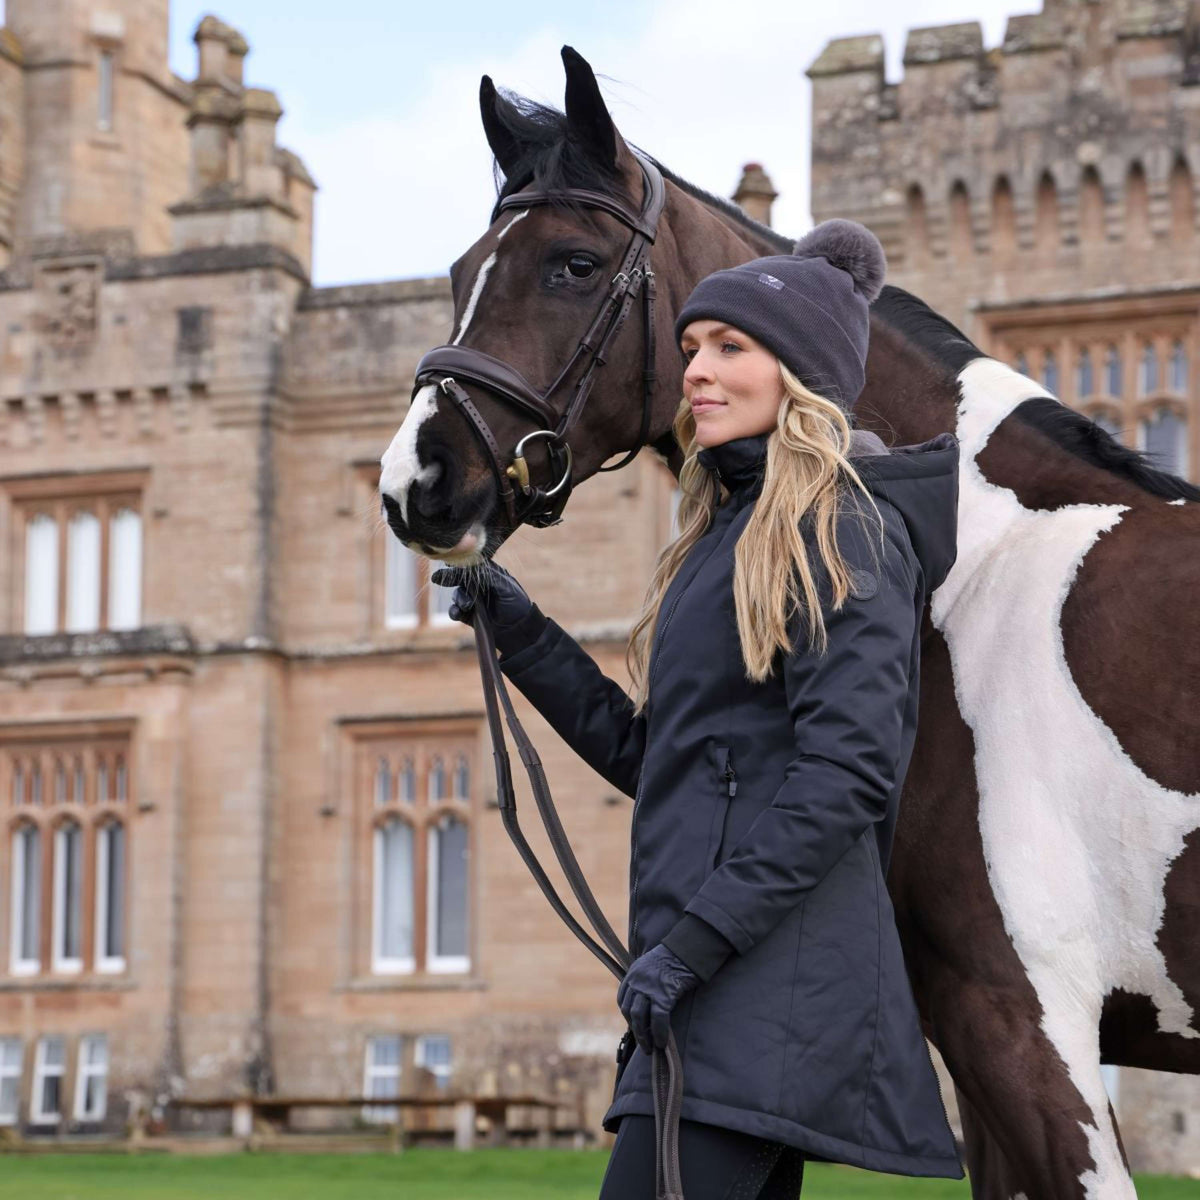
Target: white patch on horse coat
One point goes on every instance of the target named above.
(400, 468)
(1077, 839)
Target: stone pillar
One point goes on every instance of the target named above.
(260, 171)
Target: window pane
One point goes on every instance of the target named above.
(400, 583)
(382, 1077)
(51, 1095)
(385, 1052)
(111, 892)
(437, 780)
(1112, 372)
(1022, 364)
(68, 877)
(1178, 368)
(125, 570)
(83, 573)
(96, 1052)
(10, 1079)
(1086, 382)
(41, 575)
(450, 841)
(27, 891)
(462, 778)
(394, 890)
(1148, 370)
(439, 599)
(54, 1053)
(383, 784)
(1162, 438)
(1050, 372)
(408, 782)
(433, 1050)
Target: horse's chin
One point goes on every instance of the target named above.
(470, 549)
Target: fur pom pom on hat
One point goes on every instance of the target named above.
(810, 308)
(850, 247)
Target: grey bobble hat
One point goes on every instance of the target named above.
(809, 308)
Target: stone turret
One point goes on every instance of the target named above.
(244, 188)
(755, 193)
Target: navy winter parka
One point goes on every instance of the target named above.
(763, 822)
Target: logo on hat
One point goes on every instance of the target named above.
(771, 281)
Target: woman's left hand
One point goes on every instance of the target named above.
(652, 987)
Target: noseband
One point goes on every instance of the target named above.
(448, 366)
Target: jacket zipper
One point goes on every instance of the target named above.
(729, 775)
(637, 802)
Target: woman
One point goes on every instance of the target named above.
(775, 666)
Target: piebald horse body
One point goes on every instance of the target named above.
(1046, 869)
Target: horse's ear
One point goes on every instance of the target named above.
(587, 114)
(500, 138)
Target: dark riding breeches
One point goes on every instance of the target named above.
(717, 1164)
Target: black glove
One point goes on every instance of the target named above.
(516, 620)
(652, 986)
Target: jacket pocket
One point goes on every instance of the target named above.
(724, 791)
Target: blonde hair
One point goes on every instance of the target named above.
(808, 475)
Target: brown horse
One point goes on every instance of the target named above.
(1046, 869)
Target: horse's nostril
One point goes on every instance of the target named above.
(391, 506)
(423, 498)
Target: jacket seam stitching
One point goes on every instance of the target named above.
(862, 1137)
(787, 1032)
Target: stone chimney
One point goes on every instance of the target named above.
(245, 188)
(755, 193)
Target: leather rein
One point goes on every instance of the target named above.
(524, 502)
(445, 366)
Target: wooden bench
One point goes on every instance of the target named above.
(268, 1117)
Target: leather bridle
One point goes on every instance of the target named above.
(448, 367)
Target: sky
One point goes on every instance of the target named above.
(381, 98)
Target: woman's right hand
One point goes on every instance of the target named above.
(516, 620)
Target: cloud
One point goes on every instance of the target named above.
(703, 85)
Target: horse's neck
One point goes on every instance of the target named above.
(705, 240)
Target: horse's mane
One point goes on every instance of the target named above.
(951, 349)
(551, 161)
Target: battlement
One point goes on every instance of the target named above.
(987, 172)
(942, 43)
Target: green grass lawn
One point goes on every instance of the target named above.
(414, 1175)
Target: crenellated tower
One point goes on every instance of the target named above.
(1040, 193)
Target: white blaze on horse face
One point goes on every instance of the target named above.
(401, 466)
(481, 279)
(1077, 839)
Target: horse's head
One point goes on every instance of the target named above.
(547, 271)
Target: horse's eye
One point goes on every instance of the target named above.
(579, 266)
